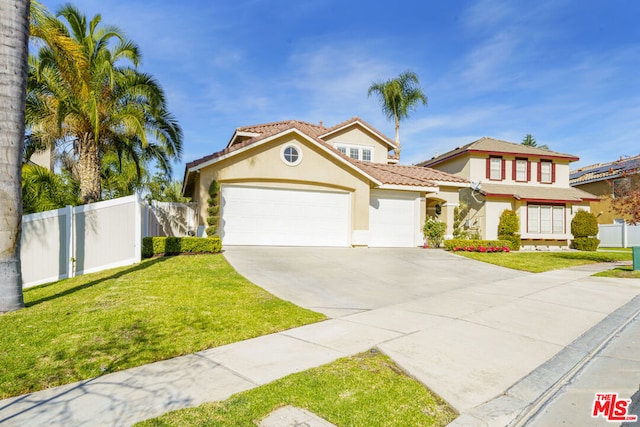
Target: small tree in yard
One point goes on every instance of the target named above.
(584, 227)
(213, 210)
(626, 201)
(434, 231)
(508, 228)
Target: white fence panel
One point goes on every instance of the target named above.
(45, 244)
(107, 234)
(73, 241)
(633, 235)
(611, 235)
(619, 235)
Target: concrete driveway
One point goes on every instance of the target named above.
(342, 281)
(488, 340)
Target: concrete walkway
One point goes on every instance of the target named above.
(478, 346)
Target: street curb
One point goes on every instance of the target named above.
(523, 400)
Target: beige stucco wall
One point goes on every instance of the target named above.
(263, 165)
(458, 166)
(494, 209)
(359, 136)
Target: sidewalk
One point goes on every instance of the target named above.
(468, 345)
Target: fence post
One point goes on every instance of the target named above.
(624, 234)
(137, 243)
(70, 250)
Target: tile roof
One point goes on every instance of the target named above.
(392, 174)
(536, 192)
(492, 145)
(408, 175)
(602, 171)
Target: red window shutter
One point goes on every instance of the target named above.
(528, 170)
(540, 171)
(504, 172)
(513, 169)
(488, 167)
(553, 172)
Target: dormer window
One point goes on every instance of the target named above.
(357, 152)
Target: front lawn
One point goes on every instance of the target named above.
(83, 327)
(537, 262)
(363, 390)
(615, 249)
(626, 272)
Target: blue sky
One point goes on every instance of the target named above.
(568, 72)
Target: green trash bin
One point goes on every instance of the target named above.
(636, 257)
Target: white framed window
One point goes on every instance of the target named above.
(495, 168)
(545, 219)
(291, 154)
(546, 175)
(521, 170)
(357, 152)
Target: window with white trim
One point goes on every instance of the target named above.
(358, 152)
(545, 219)
(291, 154)
(521, 169)
(545, 172)
(495, 168)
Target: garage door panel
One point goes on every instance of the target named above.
(393, 219)
(270, 216)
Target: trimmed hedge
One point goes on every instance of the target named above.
(477, 245)
(585, 243)
(178, 245)
(514, 241)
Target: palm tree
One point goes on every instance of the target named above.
(99, 103)
(398, 97)
(14, 37)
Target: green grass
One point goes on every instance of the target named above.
(626, 272)
(537, 262)
(615, 249)
(363, 390)
(161, 308)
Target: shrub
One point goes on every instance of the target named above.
(179, 245)
(509, 223)
(213, 209)
(585, 243)
(434, 231)
(490, 246)
(508, 228)
(584, 224)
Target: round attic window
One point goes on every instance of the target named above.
(291, 154)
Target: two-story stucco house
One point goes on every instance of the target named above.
(532, 181)
(294, 183)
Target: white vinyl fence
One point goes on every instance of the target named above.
(619, 235)
(77, 240)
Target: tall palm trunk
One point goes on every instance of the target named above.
(89, 167)
(398, 146)
(14, 36)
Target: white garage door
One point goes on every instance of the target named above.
(393, 219)
(280, 217)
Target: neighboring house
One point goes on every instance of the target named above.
(606, 180)
(532, 181)
(294, 183)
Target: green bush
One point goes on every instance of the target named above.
(584, 224)
(514, 241)
(212, 220)
(475, 245)
(213, 210)
(179, 245)
(211, 230)
(434, 231)
(509, 223)
(585, 243)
